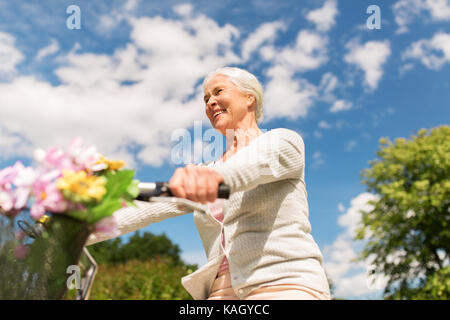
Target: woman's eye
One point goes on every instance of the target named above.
(218, 91)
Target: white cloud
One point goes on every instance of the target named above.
(370, 58)
(149, 87)
(352, 218)
(378, 116)
(327, 86)
(324, 18)
(407, 11)
(328, 83)
(194, 257)
(433, 53)
(131, 5)
(318, 159)
(184, 9)
(351, 278)
(10, 56)
(405, 68)
(109, 21)
(309, 52)
(287, 97)
(439, 9)
(340, 105)
(324, 125)
(12, 144)
(351, 145)
(358, 285)
(52, 48)
(317, 155)
(265, 33)
(341, 123)
(94, 101)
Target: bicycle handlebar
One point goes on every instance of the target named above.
(148, 190)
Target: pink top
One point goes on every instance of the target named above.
(216, 209)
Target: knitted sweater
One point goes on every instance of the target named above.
(266, 226)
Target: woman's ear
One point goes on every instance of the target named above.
(251, 101)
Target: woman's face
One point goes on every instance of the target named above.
(226, 106)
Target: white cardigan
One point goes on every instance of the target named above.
(266, 226)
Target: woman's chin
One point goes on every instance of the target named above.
(220, 124)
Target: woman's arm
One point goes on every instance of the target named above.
(133, 218)
(276, 155)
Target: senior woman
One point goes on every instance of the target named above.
(258, 242)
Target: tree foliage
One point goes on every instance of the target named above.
(155, 279)
(146, 267)
(408, 229)
(139, 247)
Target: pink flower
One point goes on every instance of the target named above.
(37, 210)
(15, 199)
(20, 235)
(107, 226)
(84, 157)
(54, 200)
(56, 158)
(8, 174)
(25, 176)
(47, 197)
(24, 180)
(21, 251)
(6, 200)
(77, 157)
(21, 197)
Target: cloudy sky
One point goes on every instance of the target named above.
(128, 79)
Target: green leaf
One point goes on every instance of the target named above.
(121, 189)
(82, 215)
(409, 176)
(133, 189)
(118, 183)
(104, 209)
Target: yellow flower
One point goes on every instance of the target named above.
(79, 183)
(111, 164)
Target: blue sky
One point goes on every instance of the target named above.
(131, 75)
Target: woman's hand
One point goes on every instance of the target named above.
(200, 184)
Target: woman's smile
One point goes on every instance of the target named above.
(226, 106)
(219, 114)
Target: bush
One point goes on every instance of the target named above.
(147, 267)
(156, 279)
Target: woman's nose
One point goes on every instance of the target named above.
(211, 102)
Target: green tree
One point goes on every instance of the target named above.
(139, 247)
(407, 231)
(148, 245)
(147, 266)
(108, 251)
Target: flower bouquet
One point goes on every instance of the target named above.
(79, 190)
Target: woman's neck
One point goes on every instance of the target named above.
(239, 138)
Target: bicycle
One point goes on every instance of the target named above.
(87, 266)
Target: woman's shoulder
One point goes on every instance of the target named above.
(286, 134)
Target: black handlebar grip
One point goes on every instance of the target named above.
(157, 189)
(224, 191)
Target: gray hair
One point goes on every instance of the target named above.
(246, 82)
